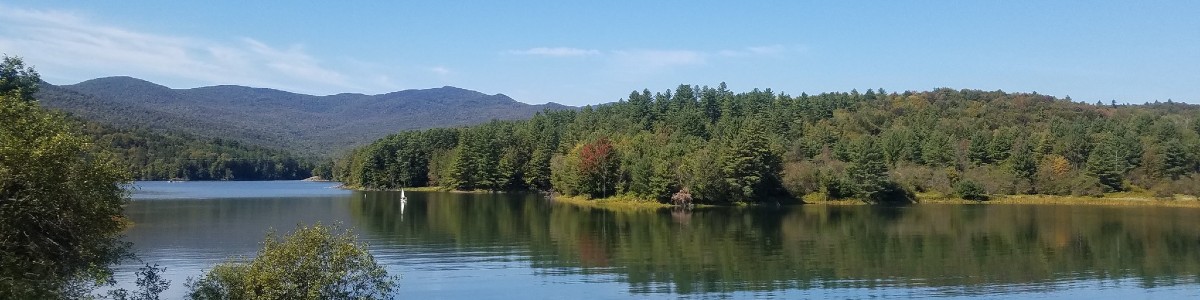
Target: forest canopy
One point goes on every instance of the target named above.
(162, 155)
(718, 146)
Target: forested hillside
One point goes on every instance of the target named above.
(298, 123)
(151, 155)
(713, 145)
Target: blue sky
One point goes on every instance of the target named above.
(594, 52)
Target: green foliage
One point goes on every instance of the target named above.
(801, 178)
(17, 80)
(60, 199)
(1175, 161)
(725, 147)
(591, 169)
(151, 155)
(564, 176)
(869, 173)
(1104, 165)
(837, 187)
(316, 262)
(937, 150)
(150, 284)
(1022, 162)
(750, 167)
(703, 175)
(979, 151)
(970, 190)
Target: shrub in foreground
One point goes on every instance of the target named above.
(317, 262)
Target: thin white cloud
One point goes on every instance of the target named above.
(754, 51)
(659, 59)
(556, 52)
(648, 61)
(440, 70)
(66, 43)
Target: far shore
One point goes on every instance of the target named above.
(634, 203)
(311, 179)
(1114, 199)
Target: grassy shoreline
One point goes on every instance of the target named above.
(615, 202)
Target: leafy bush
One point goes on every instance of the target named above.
(801, 178)
(311, 263)
(1083, 185)
(970, 190)
(837, 187)
(150, 284)
(924, 179)
(993, 179)
(1185, 185)
(892, 193)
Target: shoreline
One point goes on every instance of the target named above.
(626, 203)
(612, 203)
(420, 189)
(1116, 199)
(633, 203)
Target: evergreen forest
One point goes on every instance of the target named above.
(712, 145)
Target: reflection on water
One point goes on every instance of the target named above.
(451, 245)
(958, 250)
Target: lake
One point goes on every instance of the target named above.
(496, 246)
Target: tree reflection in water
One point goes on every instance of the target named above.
(967, 248)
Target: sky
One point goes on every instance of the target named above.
(589, 52)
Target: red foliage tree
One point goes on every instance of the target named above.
(599, 167)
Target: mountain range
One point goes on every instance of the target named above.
(299, 123)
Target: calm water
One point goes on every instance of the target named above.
(472, 246)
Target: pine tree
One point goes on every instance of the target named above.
(751, 169)
(537, 171)
(1022, 162)
(1000, 145)
(978, 152)
(868, 173)
(1174, 160)
(1102, 164)
(937, 150)
(893, 145)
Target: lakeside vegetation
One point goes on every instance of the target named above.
(612, 203)
(713, 146)
(1111, 199)
(312, 262)
(61, 200)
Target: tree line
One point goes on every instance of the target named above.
(713, 145)
(161, 155)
